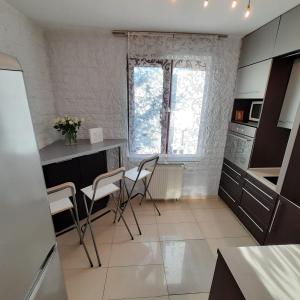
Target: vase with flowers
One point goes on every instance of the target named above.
(68, 126)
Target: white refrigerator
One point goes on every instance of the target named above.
(29, 262)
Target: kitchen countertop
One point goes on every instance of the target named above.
(260, 173)
(58, 151)
(265, 272)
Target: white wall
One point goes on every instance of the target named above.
(21, 38)
(88, 70)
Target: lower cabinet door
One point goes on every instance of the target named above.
(256, 230)
(285, 225)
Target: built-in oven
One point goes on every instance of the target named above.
(239, 144)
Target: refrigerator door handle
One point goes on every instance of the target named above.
(31, 294)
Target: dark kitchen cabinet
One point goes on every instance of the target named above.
(285, 225)
(81, 171)
(224, 283)
(291, 184)
(230, 188)
(256, 207)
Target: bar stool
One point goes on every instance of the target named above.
(59, 199)
(104, 185)
(144, 171)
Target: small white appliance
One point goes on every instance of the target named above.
(96, 135)
(255, 111)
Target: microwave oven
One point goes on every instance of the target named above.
(255, 111)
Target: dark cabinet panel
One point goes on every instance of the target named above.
(230, 189)
(260, 212)
(91, 166)
(285, 225)
(291, 184)
(256, 230)
(256, 207)
(81, 171)
(224, 285)
(58, 173)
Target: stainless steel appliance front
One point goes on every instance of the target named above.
(26, 229)
(239, 144)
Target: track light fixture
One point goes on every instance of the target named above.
(234, 4)
(248, 11)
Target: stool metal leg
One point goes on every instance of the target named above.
(121, 215)
(80, 237)
(147, 191)
(88, 223)
(129, 195)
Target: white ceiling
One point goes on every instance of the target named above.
(160, 15)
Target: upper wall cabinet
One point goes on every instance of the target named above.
(288, 38)
(259, 45)
(252, 80)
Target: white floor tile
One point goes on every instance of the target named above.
(151, 298)
(149, 234)
(215, 244)
(222, 229)
(201, 296)
(87, 284)
(179, 231)
(176, 216)
(189, 266)
(135, 281)
(145, 217)
(172, 204)
(135, 254)
(212, 214)
(206, 203)
(73, 257)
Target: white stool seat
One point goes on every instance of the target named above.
(101, 192)
(60, 205)
(133, 173)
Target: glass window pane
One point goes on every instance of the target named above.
(186, 105)
(147, 106)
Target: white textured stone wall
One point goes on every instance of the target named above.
(21, 38)
(88, 70)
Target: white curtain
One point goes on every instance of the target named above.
(220, 57)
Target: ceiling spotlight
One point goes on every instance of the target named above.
(248, 11)
(205, 3)
(234, 4)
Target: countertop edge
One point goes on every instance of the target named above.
(66, 157)
(244, 273)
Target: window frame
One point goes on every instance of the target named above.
(168, 67)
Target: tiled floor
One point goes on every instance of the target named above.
(173, 259)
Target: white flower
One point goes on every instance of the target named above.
(71, 122)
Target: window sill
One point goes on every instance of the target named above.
(170, 159)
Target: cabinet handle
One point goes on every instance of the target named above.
(227, 193)
(232, 169)
(226, 174)
(239, 137)
(268, 209)
(274, 216)
(259, 189)
(251, 219)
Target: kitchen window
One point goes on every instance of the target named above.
(165, 105)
